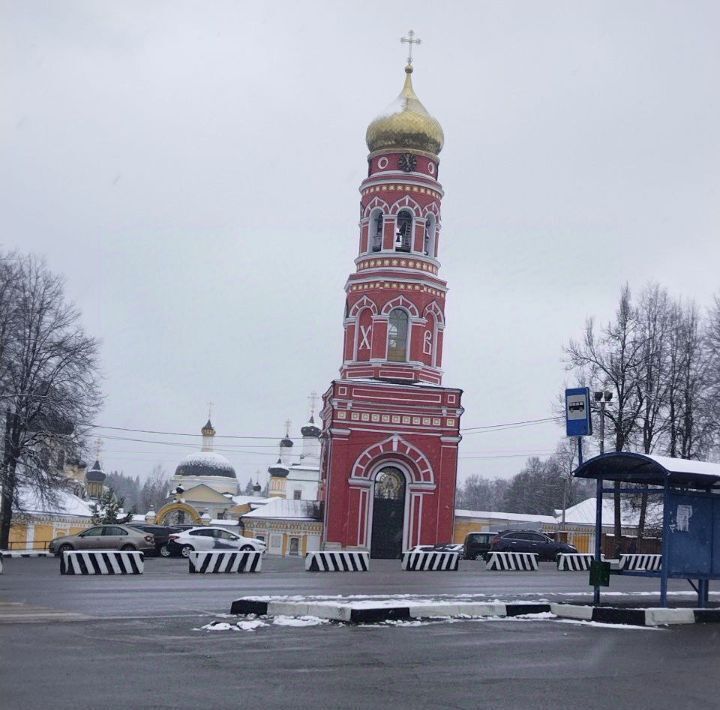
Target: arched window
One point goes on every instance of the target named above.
(375, 235)
(429, 243)
(403, 231)
(390, 484)
(397, 335)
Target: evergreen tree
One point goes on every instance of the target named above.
(108, 510)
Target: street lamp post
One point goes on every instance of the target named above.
(602, 398)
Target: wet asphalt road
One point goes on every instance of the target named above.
(135, 642)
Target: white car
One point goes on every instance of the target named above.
(205, 538)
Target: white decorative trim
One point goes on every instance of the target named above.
(401, 302)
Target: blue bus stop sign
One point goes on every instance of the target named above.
(578, 421)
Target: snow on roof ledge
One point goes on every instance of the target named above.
(650, 469)
(498, 515)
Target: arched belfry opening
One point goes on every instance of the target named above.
(388, 514)
(403, 231)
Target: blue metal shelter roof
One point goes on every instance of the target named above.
(651, 469)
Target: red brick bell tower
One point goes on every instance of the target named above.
(390, 430)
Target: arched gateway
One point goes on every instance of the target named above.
(388, 514)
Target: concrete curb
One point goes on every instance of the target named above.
(635, 617)
(26, 553)
(364, 613)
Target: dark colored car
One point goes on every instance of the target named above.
(529, 541)
(477, 545)
(162, 534)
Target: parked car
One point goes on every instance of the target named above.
(205, 538)
(104, 537)
(477, 545)
(529, 541)
(161, 533)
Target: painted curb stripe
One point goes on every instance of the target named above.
(607, 615)
(522, 609)
(369, 615)
(249, 606)
(373, 616)
(707, 616)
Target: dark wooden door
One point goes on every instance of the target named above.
(388, 514)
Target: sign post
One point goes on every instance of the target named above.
(578, 423)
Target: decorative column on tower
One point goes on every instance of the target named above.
(390, 430)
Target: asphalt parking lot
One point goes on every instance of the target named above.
(137, 642)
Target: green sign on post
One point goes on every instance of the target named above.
(599, 573)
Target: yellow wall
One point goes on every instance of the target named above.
(464, 526)
(18, 535)
(42, 532)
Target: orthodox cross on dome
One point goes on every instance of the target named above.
(287, 428)
(410, 40)
(210, 408)
(313, 399)
(98, 448)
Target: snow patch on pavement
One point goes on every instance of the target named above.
(602, 625)
(299, 621)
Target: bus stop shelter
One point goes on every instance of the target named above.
(690, 493)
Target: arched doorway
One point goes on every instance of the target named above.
(388, 514)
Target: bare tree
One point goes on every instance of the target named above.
(611, 361)
(49, 381)
(690, 417)
(481, 493)
(155, 490)
(654, 316)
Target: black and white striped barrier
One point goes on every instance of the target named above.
(512, 561)
(574, 561)
(222, 561)
(337, 561)
(640, 563)
(102, 562)
(430, 561)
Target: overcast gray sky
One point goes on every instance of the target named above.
(192, 169)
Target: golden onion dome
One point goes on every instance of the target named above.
(405, 124)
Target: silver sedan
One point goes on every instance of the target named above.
(104, 537)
